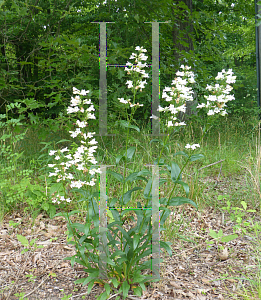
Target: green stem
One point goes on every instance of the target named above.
(207, 128)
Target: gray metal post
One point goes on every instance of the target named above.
(258, 54)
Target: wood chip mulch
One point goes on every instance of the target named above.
(193, 272)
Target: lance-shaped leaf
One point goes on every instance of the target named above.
(180, 201)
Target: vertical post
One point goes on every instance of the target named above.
(155, 79)
(103, 251)
(258, 54)
(103, 81)
(155, 222)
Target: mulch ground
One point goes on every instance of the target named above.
(193, 272)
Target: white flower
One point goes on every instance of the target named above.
(57, 157)
(129, 82)
(142, 84)
(92, 142)
(72, 110)
(83, 92)
(193, 147)
(219, 76)
(180, 73)
(75, 100)
(75, 91)
(52, 174)
(91, 116)
(180, 124)
(75, 133)
(123, 101)
(153, 117)
(87, 101)
(81, 124)
(70, 176)
(223, 113)
(201, 105)
(92, 172)
(212, 98)
(191, 80)
(52, 152)
(69, 156)
(133, 56)
(64, 149)
(143, 57)
(210, 112)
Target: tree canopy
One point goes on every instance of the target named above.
(49, 46)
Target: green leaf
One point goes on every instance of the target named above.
(175, 171)
(32, 242)
(125, 234)
(90, 286)
(144, 173)
(137, 291)
(22, 240)
(181, 153)
(163, 201)
(130, 152)
(107, 288)
(229, 238)
(220, 233)
(115, 282)
(243, 203)
(133, 177)
(136, 240)
(157, 140)
(127, 195)
(196, 157)
(176, 201)
(110, 216)
(118, 176)
(102, 296)
(185, 186)
(159, 162)
(166, 246)
(127, 125)
(85, 281)
(137, 278)
(118, 158)
(148, 189)
(213, 234)
(125, 289)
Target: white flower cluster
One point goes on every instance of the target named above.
(138, 69)
(83, 154)
(193, 147)
(180, 93)
(220, 93)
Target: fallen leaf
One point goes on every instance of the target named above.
(206, 281)
(223, 255)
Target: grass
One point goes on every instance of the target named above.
(232, 143)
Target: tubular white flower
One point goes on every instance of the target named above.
(123, 101)
(129, 82)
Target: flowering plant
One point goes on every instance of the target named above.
(127, 262)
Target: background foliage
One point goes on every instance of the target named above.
(49, 46)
